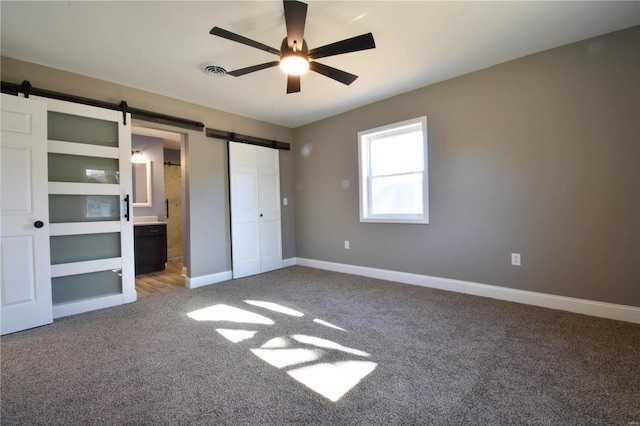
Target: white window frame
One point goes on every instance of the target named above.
(364, 138)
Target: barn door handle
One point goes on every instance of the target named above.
(38, 224)
(166, 203)
(126, 214)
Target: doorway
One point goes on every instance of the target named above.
(164, 149)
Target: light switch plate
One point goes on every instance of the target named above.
(515, 259)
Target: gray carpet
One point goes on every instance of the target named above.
(403, 355)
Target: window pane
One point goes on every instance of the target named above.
(397, 152)
(74, 128)
(394, 173)
(73, 288)
(76, 168)
(397, 195)
(80, 248)
(83, 208)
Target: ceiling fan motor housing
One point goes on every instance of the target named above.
(284, 47)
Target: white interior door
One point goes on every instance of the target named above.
(245, 214)
(254, 178)
(269, 197)
(25, 278)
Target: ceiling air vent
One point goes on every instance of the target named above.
(213, 69)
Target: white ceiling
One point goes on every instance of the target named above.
(158, 46)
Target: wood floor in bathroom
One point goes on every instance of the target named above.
(160, 282)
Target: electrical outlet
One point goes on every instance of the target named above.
(285, 201)
(515, 259)
(346, 244)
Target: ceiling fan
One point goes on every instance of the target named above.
(295, 56)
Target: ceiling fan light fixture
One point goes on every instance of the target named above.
(294, 63)
(295, 56)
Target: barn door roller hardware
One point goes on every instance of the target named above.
(139, 114)
(251, 140)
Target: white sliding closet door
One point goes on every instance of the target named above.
(269, 198)
(256, 239)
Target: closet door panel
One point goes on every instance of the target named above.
(246, 250)
(245, 224)
(270, 246)
(244, 184)
(254, 178)
(269, 195)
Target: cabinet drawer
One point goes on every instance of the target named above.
(150, 230)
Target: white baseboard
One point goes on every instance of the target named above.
(570, 304)
(194, 282)
(292, 261)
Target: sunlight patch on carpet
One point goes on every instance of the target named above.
(275, 307)
(315, 362)
(276, 343)
(236, 336)
(333, 380)
(327, 344)
(281, 358)
(228, 313)
(327, 324)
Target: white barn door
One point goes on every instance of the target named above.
(254, 180)
(25, 278)
(91, 224)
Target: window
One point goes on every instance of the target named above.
(393, 173)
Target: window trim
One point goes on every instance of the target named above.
(365, 178)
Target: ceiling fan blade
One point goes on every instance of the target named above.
(293, 83)
(247, 70)
(334, 73)
(295, 15)
(243, 40)
(354, 44)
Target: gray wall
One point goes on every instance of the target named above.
(539, 156)
(152, 150)
(287, 212)
(206, 210)
(172, 156)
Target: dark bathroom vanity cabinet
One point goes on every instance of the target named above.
(150, 247)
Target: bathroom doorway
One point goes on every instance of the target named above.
(164, 150)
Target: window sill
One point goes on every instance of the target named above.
(420, 221)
